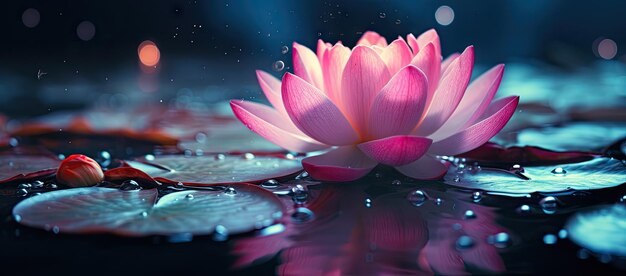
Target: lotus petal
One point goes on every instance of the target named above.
(341, 164)
(427, 167)
(307, 66)
(396, 150)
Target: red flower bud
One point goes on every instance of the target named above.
(79, 171)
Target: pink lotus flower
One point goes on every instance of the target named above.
(396, 104)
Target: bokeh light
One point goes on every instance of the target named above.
(149, 54)
(31, 18)
(444, 15)
(607, 48)
(86, 30)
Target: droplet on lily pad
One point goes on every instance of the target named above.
(211, 170)
(593, 174)
(106, 210)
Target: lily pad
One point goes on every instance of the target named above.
(578, 136)
(215, 169)
(594, 174)
(24, 167)
(139, 213)
(601, 230)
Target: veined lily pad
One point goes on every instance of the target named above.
(139, 213)
(215, 169)
(601, 230)
(23, 167)
(594, 174)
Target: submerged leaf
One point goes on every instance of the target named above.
(138, 213)
(24, 167)
(601, 230)
(594, 174)
(214, 169)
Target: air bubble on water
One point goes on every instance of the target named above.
(220, 156)
(220, 233)
(548, 204)
(299, 194)
(477, 196)
(417, 197)
(396, 182)
(469, 214)
(188, 153)
(368, 202)
(549, 239)
(130, 185)
(464, 242)
(278, 65)
(559, 171)
(201, 137)
(302, 215)
(284, 50)
(562, 233)
(270, 184)
(189, 196)
(524, 209)
(21, 192)
(248, 156)
(230, 191)
(500, 240)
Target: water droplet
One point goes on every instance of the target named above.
(469, 214)
(299, 194)
(220, 156)
(456, 178)
(516, 169)
(220, 233)
(51, 186)
(382, 15)
(464, 242)
(284, 50)
(38, 184)
(248, 156)
(477, 196)
(105, 154)
(583, 254)
(398, 21)
(179, 185)
(278, 65)
(500, 240)
(130, 185)
(55, 229)
(143, 214)
(302, 215)
(230, 191)
(17, 218)
(302, 175)
(378, 175)
(417, 197)
(524, 209)
(13, 142)
(201, 137)
(457, 226)
(562, 233)
(623, 199)
(559, 171)
(149, 157)
(270, 184)
(21, 192)
(549, 239)
(189, 196)
(188, 153)
(396, 182)
(548, 204)
(368, 202)
(24, 186)
(438, 201)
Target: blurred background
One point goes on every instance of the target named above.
(67, 55)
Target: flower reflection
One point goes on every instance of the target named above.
(391, 236)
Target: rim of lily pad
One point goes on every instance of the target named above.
(493, 154)
(49, 167)
(140, 213)
(172, 171)
(605, 173)
(600, 229)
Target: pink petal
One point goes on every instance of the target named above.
(322, 47)
(342, 164)
(370, 38)
(495, 118)
(399, 105)
(446, 62)
(335, 61)
(430, 36)
(363, 77)
(269, 124)
(427, 61)
(313, 113)
(271, 88)
(396, 150)
(441, 257)
(426, 167)
(396, 55)
(477, 98)
(412, 41)
(448, 94)
(307, 66)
